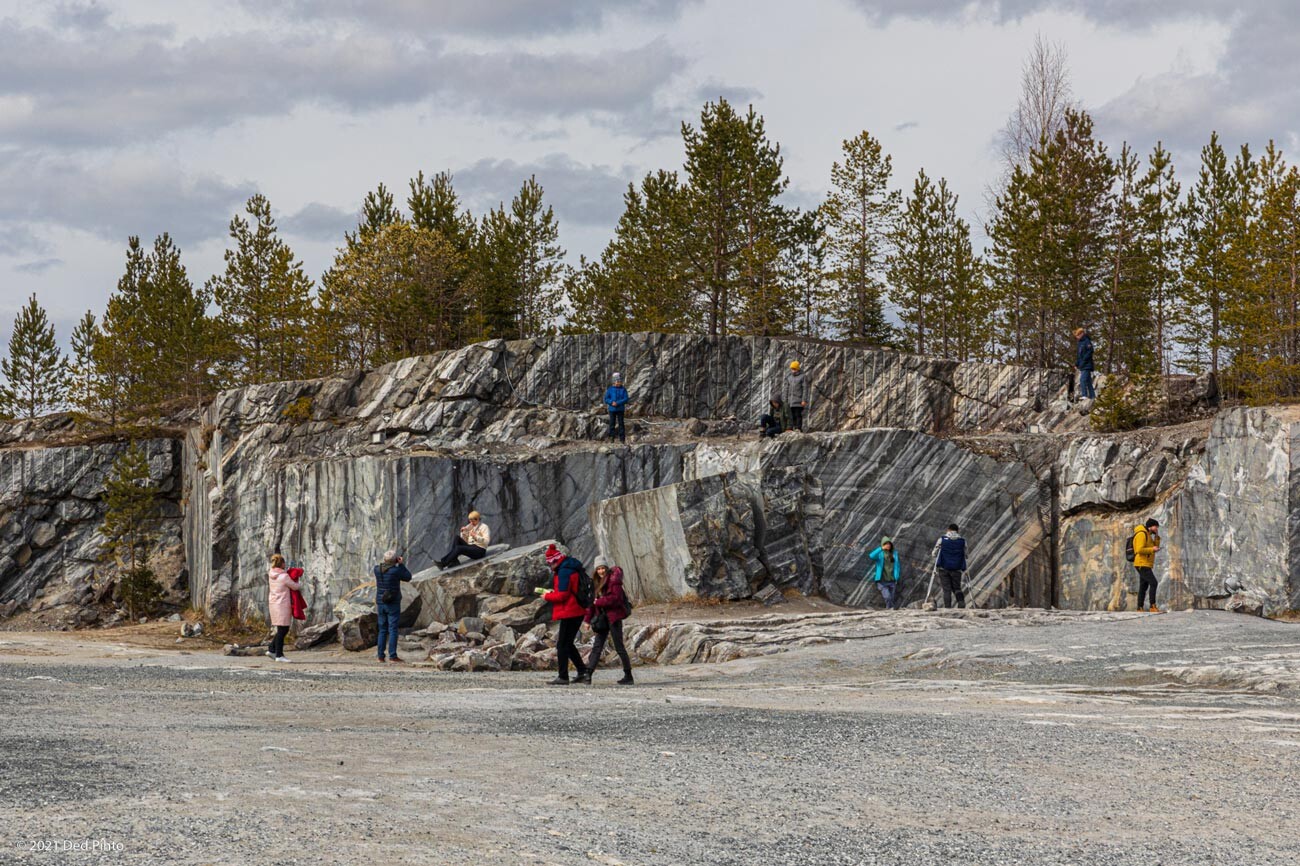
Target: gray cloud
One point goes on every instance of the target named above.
(590, 195)
(320, 222)
(39, 266)
(18, 239)
(1104, 12)
(120, 84)
(906, 125)
(739, 96)
(477, 17)
(117, 197)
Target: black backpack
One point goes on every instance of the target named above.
(585, 591)
(1130, 553)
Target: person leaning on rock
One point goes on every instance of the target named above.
(950, 562)
(796, 394)
(568, 611)
(615, 403)
(472, 541)
(776, 420)
(1146, 543)
(280, 600)
(389, 577)
(889, 571)
(606, 618)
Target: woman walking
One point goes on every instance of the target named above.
(280, 600)
(567, 610)
(606, 618)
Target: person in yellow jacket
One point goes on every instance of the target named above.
(1146, 542)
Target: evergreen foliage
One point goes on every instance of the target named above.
(36, 376)
(130, 529)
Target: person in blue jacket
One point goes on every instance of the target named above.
(615, 400)
(1083, 361)
(889, 571)
(950, 562)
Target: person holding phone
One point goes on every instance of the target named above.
(389, 577)
(472, 541)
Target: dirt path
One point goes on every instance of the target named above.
(1171, 739)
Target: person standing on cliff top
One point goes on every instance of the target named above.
(1146, 543)
(796, 395)
(1083, 363)
(615, 402)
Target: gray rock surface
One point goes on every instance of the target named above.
(358, 621)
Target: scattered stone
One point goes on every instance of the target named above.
(770, 595)
(176, 617)
(191, 629)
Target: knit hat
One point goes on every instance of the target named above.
(886, 540)
(618, 377)
(599, 561)
(553, 556)
(794, 365)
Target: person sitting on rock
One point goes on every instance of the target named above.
(606, 617)
(796, 392)
(568, 611)
(777, 418)
(472, 541)
(889, 572)
(389, 577)
(280, 600)
(950, 565)
(615, 403)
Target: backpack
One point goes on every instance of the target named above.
(585, 591)
(1130, 552)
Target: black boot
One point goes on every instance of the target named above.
(627, 678)
(560, 681)
(584, 677)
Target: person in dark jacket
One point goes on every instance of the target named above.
(606, 618)
(796, 394)
(567, 611)
(950, 562)
(1083, 362)
(777, 419)
(615, 402)
(389, 577)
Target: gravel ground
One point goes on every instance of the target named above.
(977, 742)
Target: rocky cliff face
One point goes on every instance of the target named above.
(51, 509)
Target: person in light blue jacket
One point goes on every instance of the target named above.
(615, 400)
(889, 571)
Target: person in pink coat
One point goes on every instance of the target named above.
(280, 600)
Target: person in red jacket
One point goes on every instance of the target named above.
(606, 618)
(567, 611)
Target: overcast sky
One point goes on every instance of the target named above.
(130, 117)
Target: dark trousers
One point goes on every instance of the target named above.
(459, 548)
(615, 632)
(389, 615)
(771, 427)
(616, 426)
(889, 591)
(565, 651)
(1086, 390)
(1146, 580)
(796, 417)
(950, 580)
(277, 642)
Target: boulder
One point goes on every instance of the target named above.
(470, 625)
(486, 587)
(191, 629)
(358, 623)
(316, 635)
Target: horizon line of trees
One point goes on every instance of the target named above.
(1202, 280)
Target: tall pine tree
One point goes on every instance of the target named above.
(35, 371)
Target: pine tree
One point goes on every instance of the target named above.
(265, 301)
(435, 207)
(1158, 214)
(1013, 266)
(806, 268)
(540, 263)
(82, 368)
(860, 214)
(1128, 332)
(130, 528)
(35, 372)
(916, 265)
(156, 342)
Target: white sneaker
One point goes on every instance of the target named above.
(269, 654)
(282, 659)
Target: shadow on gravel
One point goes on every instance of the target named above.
(40, 769)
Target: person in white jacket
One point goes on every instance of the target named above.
(472, 541)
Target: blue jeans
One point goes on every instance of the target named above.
(1086, 391)
(889, 591)
(389, 614)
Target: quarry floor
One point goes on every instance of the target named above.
(1138, 739)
